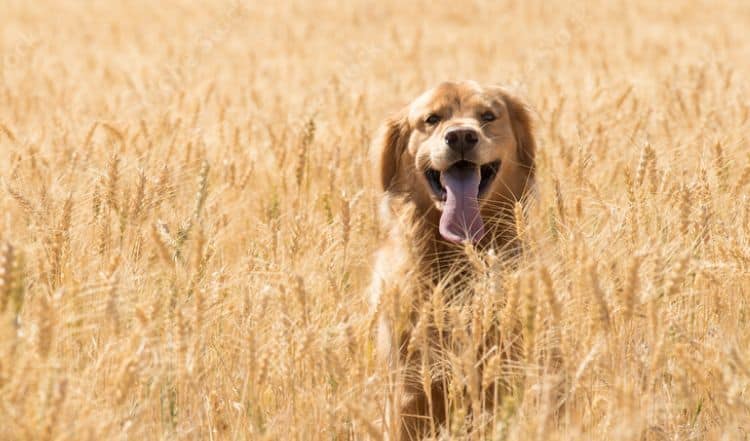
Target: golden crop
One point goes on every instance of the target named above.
(187, 217)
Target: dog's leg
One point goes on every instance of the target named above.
(421, 412)
(414, 407)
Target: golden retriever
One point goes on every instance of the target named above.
(452, 165)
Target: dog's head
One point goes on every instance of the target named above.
(462, 149)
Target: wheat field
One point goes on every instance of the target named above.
(188, 220)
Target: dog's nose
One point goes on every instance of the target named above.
(461, 140)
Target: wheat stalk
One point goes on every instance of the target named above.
(602, 316)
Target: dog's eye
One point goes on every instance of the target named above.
(432, 119)
(488, 116)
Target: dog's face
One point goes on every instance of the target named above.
(461, 148)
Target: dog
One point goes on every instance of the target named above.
(451, 167)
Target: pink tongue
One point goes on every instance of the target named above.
(460, 220)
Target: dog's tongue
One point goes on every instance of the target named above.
(461, 220)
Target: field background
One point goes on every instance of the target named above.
(188, 222)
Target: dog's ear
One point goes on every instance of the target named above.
(520, 120)
(389, 145)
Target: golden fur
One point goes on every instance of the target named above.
(407, 145)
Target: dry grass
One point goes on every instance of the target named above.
(188, 225)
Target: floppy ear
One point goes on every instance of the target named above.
(388, 147)
(520, 120)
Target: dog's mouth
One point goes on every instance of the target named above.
(487, 173)
(459, 188)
